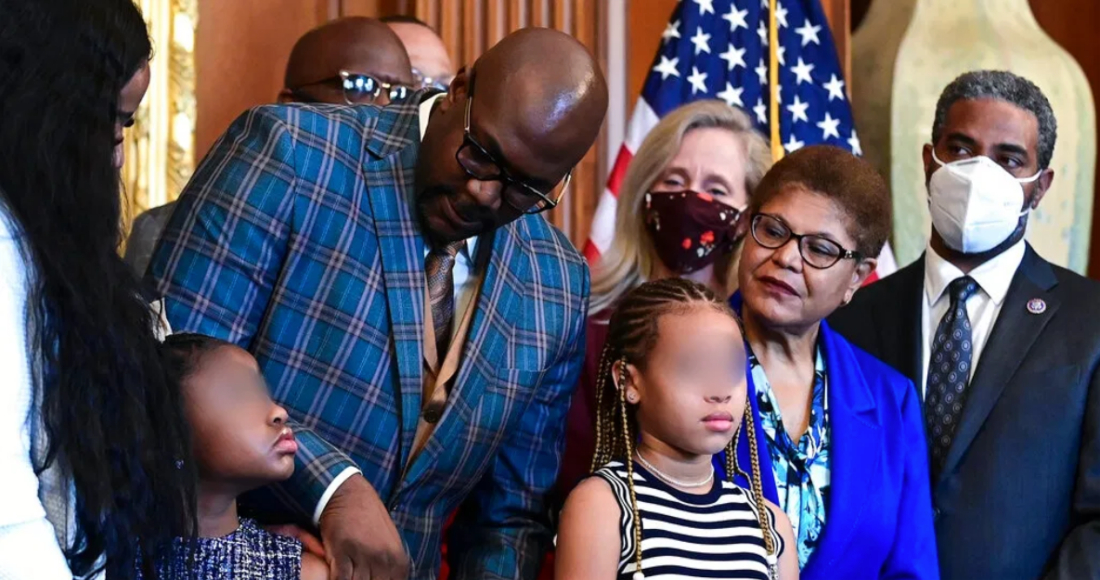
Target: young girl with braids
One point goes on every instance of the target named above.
(671, 393)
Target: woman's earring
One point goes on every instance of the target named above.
(633, 398)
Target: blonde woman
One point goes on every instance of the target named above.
(678, 216)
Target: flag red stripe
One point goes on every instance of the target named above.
(618, 171)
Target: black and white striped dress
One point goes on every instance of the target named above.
(716, 535)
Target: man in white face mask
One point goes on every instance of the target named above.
(1003, 346)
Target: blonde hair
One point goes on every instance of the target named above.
(631, 259)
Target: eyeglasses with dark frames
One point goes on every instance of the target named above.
(816, 251)
(479, 164)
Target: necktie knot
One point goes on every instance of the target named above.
(447, 250)
(962, 289)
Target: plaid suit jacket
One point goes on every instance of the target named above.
(296, 240)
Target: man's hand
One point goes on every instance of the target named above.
(310, 543)
(361, 542)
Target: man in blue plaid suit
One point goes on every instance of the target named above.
(303, 237)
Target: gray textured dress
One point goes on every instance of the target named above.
(250, 553)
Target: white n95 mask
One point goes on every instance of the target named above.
(975, 204)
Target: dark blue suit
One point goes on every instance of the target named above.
(1019, 496)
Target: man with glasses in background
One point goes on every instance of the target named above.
(431, 63)
(1004, 347)
(421, 324)
(348, 61)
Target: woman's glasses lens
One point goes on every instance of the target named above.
(816, 251)
(770, 232)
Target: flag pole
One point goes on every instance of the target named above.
(773, 81)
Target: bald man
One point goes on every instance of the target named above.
(417, 318)
(353, 61)
(431, 63)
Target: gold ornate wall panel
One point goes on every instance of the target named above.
(160, 147)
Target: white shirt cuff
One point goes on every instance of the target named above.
(332, 487)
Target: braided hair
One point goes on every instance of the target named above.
(632, 335)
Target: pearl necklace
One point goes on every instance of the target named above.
(671, 480)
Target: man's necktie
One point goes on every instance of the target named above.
(439, 266)
(949, 373)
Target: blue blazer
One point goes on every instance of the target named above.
(878, 519)
(297, 239)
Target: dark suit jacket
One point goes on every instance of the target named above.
(144, 235)
(1019, 496)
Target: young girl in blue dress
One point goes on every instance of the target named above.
(671, 393)
(240, 441)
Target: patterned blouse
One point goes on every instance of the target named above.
(802, 468)
(250, 553)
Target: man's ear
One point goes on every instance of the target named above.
(285, 96)
(460, 86)
(1042, 186)
(929, 163)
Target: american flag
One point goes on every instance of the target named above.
(722, 49)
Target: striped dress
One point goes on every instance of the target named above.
(715, 535)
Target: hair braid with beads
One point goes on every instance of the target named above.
(632, 335)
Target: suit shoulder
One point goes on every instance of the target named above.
(879, 375)
(327, 122)
(548, 239)
(1080, 302)
(891, 290)
(1078, 285)
(875, 367)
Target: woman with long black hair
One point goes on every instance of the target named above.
(91, 438)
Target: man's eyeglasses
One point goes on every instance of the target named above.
(426, 82)
(364, 89)
(361, 89)
(479, 164)
(817, 251)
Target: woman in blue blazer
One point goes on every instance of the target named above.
(840, 431)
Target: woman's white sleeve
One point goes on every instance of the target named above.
(28, 545)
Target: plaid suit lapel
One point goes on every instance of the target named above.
(389, 176)
(491, 340)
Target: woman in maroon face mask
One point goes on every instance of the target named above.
(678, 215)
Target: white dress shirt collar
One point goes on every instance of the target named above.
(994, 276)
(426, 111)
